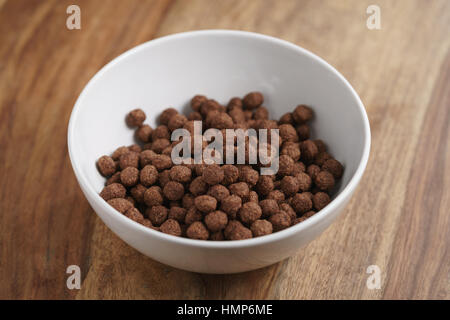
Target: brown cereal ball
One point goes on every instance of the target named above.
(249, 175)
(134, 215)
(137, 192)
(236, 231)
(153, 196)
(240, 189)
(120, 204)
(180, 173)
(289, 210)
(177, 213)
(301, 203)
(231, 174)
(159, 145)
(163, 177)
(222, 121)
(144, 133)
(313, 170)
(197, 102)
(261, 113)
(286, 119)
(135, 118)
(166, 115)
(261, 228)
(115, 178)
(324, 181)
(231, 205)
(253, 100)
(161, 162)
(303, 132)
(285, 165)
(309, 214)
(119, 152)
(321, 158)
(192, 215)
(188, 201)
(176, 122)
(161, 132)
(288, 133)
(304, 181)
(114, 190)
(208, 106)
(334, 167)
(135, 148)
(145, 157)
(292, 150)
(276, 195)
(320, 200)
(237, 115)
(209, 117)
(309, 150)
(205, 203)
(217, 236)
(298, 167)
(250, 212)
(171, 226)
(148, 175)
(253, 197)
(213, 174)
(248, 114)
(219, 192)
(321, 146)
(173, 190)
(216, 220)
(302, 114)
(149, 224)
(265, 185)
(129, 176)
(198, 186)
(197, 230)
(194, 116)
(289, 185)
(157, 214)
(106, 166)
(130, 198)
(269, 207)
(280, 221)
(199, 167)
(234, 103)
(130, 159)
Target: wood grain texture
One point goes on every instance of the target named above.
(398, 218)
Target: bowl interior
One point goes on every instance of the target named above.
(167, 72)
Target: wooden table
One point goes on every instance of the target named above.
(398, 219)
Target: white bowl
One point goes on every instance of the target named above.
(167, 72)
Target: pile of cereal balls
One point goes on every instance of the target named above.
(219, 202)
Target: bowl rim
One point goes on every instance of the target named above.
(274, 237)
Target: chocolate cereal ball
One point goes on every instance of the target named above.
(324, 181)
(216, 220)
(135, 118)
(309, 150)
(137, 192)
(261, 113)
(236, 231)
(286, 119)
(176, 122)
(334, 167)
(303, 132)
(321, 158)
(129, 176)
(177, 213)
(250, 212)
(145, 157)
(205, 203)
(286, 165)
(130, 159)
(171, 226)
(298, 167)
(180, 173)
(280, 221)
(134, 215)
(115, 178)
(276, 195)
(288, 133)
(290, 185)
(321, 146)
(173, 190)
(219, 192)
(213, 174)
(198, 186)
(161, 132)
(197, 102)
(188, 201)
(313, 170)
(320, 200)
(269, 207)
(240, 189)
(197, 230)
(304, 181)
(301, 203)
(261, 228)
(253, 100)
(249, 175)
(157, 214)
(166, 115)
(193, 215)
(163, 177)
(231, 174)
(217, 236)
(114, 190)
(148, 175)
(159, 145)
(289, 210)
(144, 133)
(119, 152)
(106, 166)
(120, 204)
(231, 205)
(161, 162)
(153, 196)
(221, 121)
(253, 197)
(292, 150)
(302, 114)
